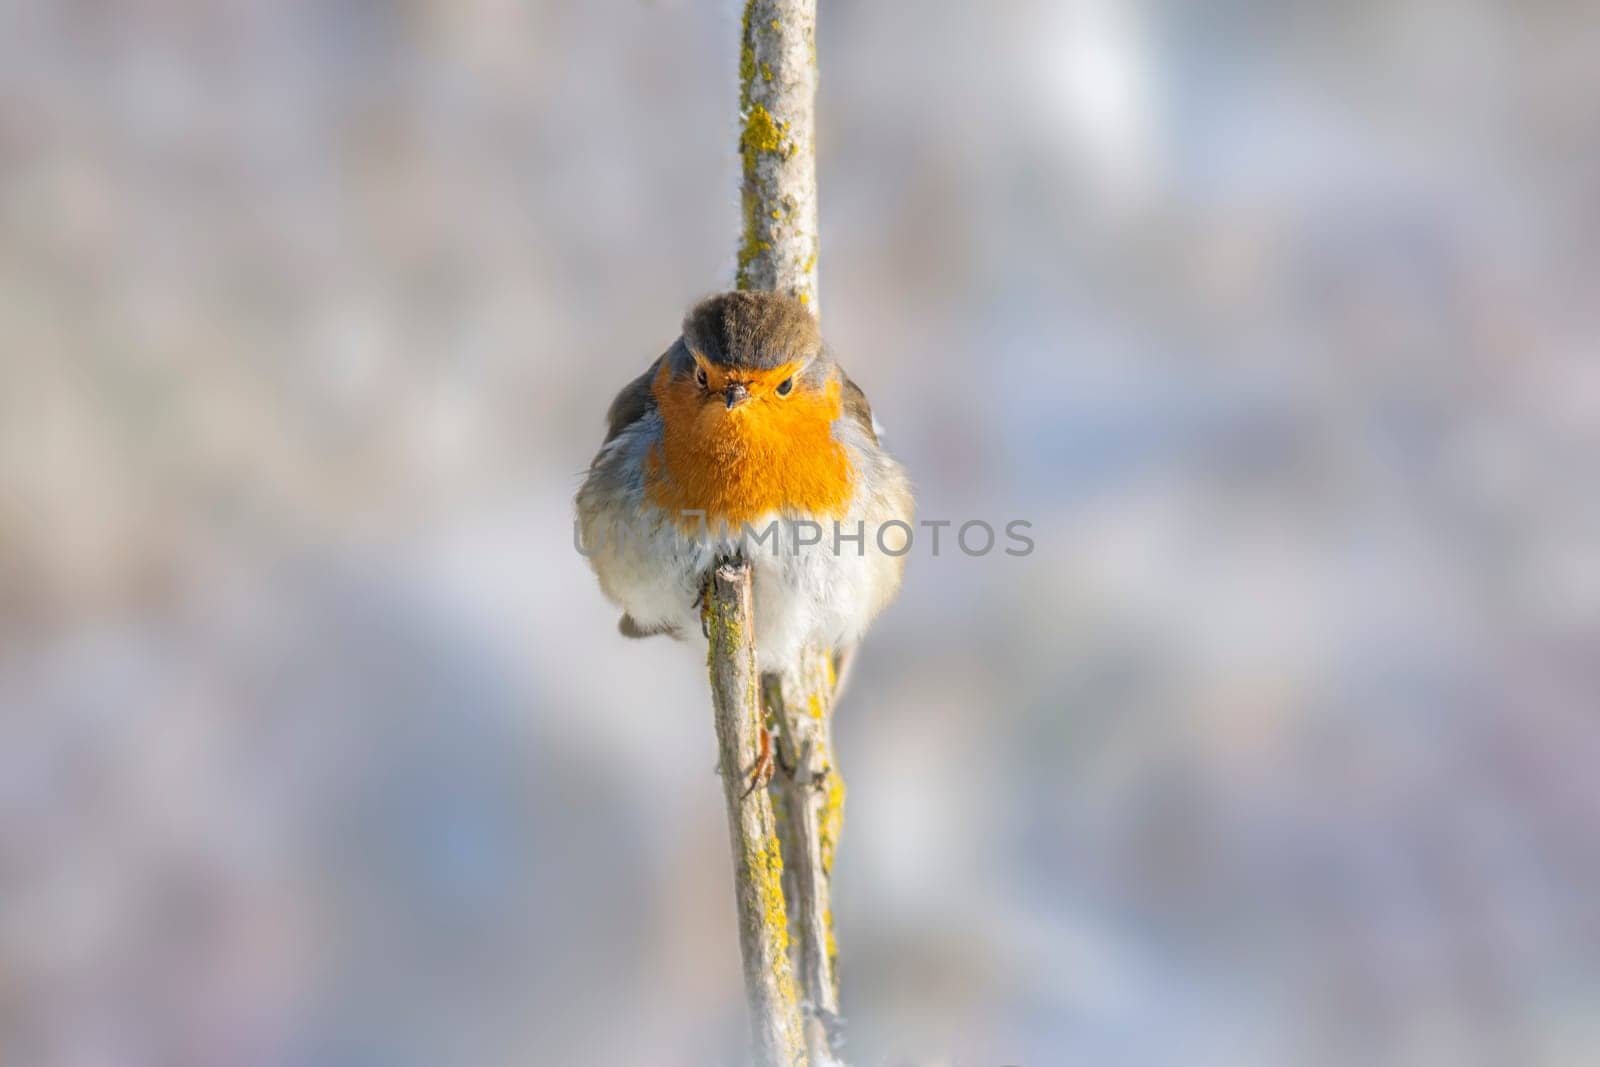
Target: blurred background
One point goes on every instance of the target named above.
(317, 741)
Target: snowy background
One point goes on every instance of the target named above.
(1278, 321)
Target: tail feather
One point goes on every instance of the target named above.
(627, 627)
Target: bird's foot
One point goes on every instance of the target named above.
(702, 601)
(761, 772)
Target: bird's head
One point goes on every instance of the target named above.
(748, 399)
(750, 353)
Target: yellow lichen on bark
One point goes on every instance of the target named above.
(777, 251)
(761, 133)
(777, 82)
(764, 940)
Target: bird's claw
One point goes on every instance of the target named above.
(761, 772)
(703, 602)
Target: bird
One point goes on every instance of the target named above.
(746, 438)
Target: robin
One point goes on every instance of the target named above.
(747, 438)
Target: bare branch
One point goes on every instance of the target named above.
(778, 252)
(777, 96)
(811, 808)
(757, 860)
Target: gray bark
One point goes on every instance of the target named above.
(778, 252)
(777, 96)
(810, 805)
(757, 859)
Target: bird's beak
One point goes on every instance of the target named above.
(735, 394)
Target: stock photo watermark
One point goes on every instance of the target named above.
(781, 536)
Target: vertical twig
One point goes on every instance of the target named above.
(777, 106)
(757, 860)
(811, 808)
(778, 251)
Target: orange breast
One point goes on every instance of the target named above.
(770, 454)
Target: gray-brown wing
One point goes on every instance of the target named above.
(856, 406)
(633, 403)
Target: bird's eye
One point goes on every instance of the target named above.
(786, 387)
(700, 377)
